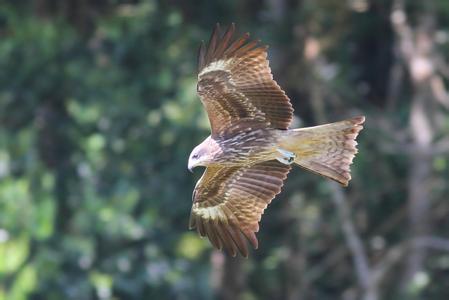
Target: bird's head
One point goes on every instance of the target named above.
(198, 157)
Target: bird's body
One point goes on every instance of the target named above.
(248, 146)
(251, 148)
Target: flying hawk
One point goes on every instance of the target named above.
(251, 148)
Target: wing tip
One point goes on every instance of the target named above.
(228, 238)
(219, 45)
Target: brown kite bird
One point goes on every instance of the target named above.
(251, 148)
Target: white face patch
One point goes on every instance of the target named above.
(193, 159)
(197, 155)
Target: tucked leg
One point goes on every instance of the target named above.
(286, 157)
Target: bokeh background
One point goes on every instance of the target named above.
(99, 112)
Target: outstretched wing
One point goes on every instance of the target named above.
(236, 85)
(229, 202)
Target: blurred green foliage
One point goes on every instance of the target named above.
(99, 112)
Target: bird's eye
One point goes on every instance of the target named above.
(195, 156)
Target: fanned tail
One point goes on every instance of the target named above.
(327, 150)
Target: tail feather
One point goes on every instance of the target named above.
(327, 150)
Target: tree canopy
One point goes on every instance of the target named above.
(99, 112)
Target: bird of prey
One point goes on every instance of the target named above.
(251, 148)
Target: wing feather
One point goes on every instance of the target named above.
(229, 202)
(235, 84)
(201, 56)
(226, 239)
(236, 45)
(225, 40)
(212, 43)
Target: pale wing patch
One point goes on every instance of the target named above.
(214, 213)
(218, 65)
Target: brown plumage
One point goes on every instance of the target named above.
(251, 147)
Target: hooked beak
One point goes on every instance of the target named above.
(190, 167)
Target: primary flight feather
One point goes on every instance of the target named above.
(251, 148)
